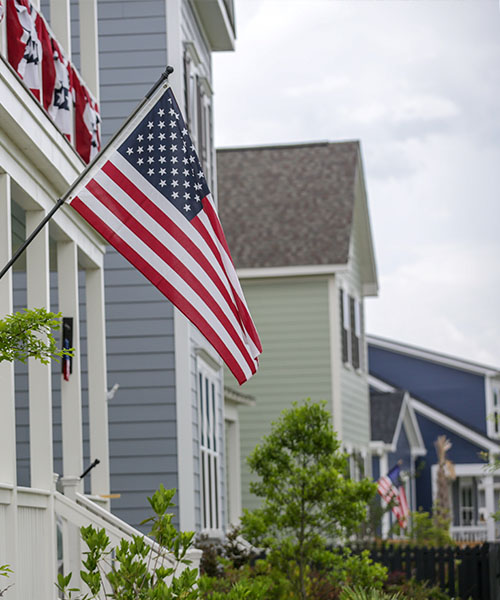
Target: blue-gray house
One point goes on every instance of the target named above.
(452, 397)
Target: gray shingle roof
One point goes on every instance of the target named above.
(384, 412)
(288, 205)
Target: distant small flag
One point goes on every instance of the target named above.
(392, 492)
(147, 196)
(67, 335)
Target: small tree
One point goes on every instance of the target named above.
(29, 334)
(308, 498)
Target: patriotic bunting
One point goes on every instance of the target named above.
(39, 61)
(48, 67)
(23, 46)
(87, 121)
(60, 107)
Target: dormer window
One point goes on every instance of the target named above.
(493, 411)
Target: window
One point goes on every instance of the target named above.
(198, 109)
(493, 407)
(496, 412)
(209, 447)
(466, 502)
(350, 316)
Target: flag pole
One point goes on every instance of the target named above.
(61, 201)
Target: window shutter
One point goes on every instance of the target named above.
(354, 337)
(345, 349)
(187, 90)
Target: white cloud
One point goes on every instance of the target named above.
(417, 82)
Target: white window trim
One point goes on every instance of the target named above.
(210, 453)
(492, 388)
(347, 294)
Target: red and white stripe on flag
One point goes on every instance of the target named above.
(147, 196)
(391, 494)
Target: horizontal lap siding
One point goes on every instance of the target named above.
(354, 387)
(291, 316)
(132, 55)
(142, 415)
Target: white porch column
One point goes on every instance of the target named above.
(386, 523)
(89, 49)
(8, 546)
(71, 395)
(60, 23)
(96, 359)
(7, 404)
(489, 496)
(40, 389)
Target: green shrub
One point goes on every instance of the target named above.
(135, 570)
(360, 593)
(425, 532)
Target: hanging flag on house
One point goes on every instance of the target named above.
(147, 196)
(393, 493)
(67, 344)
(61, 106)
(48, 67)
(87, 120)
(24, 50)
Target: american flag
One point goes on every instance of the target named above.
(393, 493)
(147, 196)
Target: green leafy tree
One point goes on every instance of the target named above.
(308, 499)
(29, 334)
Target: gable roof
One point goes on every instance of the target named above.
(288, 205)
(449, 422)
(432, 356)
(385, 408)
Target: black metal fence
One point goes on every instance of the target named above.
(470, 572)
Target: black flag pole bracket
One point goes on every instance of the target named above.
(164, 77)
(89, 468)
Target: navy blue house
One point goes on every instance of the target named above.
(452, 397)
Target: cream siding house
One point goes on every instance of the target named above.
(296, 220)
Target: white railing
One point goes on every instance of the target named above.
(469, 533)
(40, 534)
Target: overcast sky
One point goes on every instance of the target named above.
(418, 83)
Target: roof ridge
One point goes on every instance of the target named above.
(274, 146)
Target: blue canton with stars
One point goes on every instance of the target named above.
(162, 151)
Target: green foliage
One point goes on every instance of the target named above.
(307, 499)
(411, 588)
(425, 532)
(30, 334)
(5, 571)
(360, 593)
(357, 569)
(246, 582)
(137, 571)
